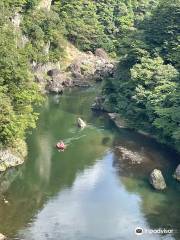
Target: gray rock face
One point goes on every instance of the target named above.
(8, 160)
(2, 237)
(16, 20)
(85, 68)
(56, 80)
(157, 180)
(92, 67)
(81, 123)
(75, 69)
(43, 68)
(55, 87)
(177, 173)
(101, 53)
(103, 70)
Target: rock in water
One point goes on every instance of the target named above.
(130, 156)
(2, 237)
(177, 173)
(157, 180)
(81, 123)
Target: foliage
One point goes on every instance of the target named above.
(41, 29)
(146, 89)
(81, 22)
(144, 34)
(92, 24)
(162, 31)
(18, 93)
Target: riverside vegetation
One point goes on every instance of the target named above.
(143, 36)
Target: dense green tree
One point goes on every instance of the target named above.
(144, 34)
(146, 87)
(81, 22)
(162, 31)
(41, 28)
(18, 93)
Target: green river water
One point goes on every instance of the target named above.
(87, 192)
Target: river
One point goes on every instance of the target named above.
(87, 192)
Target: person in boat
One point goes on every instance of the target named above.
(61, 146)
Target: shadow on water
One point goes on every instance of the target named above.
(89, 191)
(161, 209)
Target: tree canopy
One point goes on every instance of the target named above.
(146, 88)
(142, 35)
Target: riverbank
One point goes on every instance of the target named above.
(79, 69)
(100, 105)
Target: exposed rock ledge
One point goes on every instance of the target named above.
(83, 70)
(9, 159)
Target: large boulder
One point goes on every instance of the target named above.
(81, 123)
(177, 173)
(2, 237)
(157, 180)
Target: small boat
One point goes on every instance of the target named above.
(61, 146)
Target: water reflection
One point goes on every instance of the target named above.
(97, 206)
(87, 192)
(156, 206)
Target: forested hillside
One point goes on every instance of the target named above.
(142, 35)
(146, 89)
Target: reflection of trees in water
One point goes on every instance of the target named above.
(161, 209)
(152, 154)
(46, 172)
(43, 159)
(7, 178)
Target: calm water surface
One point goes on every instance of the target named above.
(88, 192)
